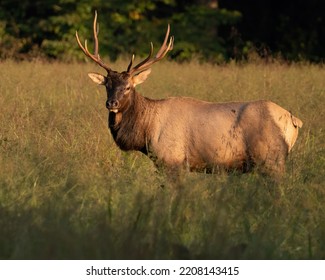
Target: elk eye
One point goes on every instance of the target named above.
(128, 88)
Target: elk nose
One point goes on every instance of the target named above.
(112, 104)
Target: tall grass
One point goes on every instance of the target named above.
(67, 192)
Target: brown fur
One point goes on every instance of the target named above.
(185, 132)
(198, 135)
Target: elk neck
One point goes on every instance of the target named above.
(131, 128)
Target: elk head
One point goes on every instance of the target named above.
(120, 87)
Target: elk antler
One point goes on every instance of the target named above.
(95, 57)
(146, 63)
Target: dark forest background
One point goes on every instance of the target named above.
(208, 30)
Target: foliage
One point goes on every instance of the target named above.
(211, 30)
(67, 191)
(293, 29)
(48, 27)
(39, 27)
(196, 31)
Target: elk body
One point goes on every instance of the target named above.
(184, 132)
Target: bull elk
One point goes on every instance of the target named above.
(185, 132)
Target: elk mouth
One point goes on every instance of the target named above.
(114, 110)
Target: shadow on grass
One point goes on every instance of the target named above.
(233, 217)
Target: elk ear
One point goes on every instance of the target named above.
(141, 77)
(99, 79)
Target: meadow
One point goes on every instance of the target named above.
(67, 191)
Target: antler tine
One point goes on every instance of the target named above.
(164, 43)
(130, 64)
(166, 50)
(135, 68)
(147, 62)
(95, 57)
(96, 31)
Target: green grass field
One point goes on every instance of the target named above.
(67, 191)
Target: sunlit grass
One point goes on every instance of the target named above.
(66, 190)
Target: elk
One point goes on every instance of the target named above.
(183, 132)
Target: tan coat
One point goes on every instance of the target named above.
(204, 136)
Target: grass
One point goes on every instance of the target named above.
(67, 192)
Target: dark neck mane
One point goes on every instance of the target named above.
(131, 128)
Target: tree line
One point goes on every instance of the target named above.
(208, 30)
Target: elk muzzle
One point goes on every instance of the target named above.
(113, 105)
